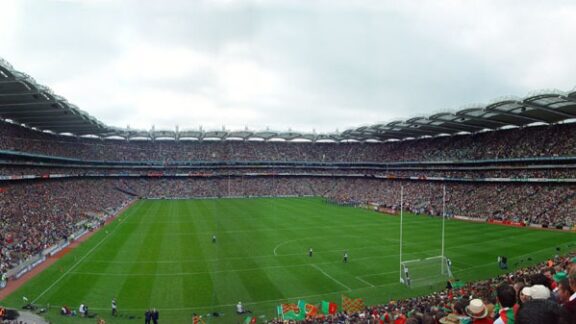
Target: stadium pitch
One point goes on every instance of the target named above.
(160, 254)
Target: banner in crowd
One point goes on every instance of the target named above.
(352, 305)
(506, 222)
(470, 219)
(303, 310)
(308, 309)
(329, 308)
(290, 312)
(250, 320)
(386, 210)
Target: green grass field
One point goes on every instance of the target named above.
(159, 254)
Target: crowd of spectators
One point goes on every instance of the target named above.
(536, 141)
(537, 203)
(530, 203)
(418, 172)
(538, 294)
(35, 215)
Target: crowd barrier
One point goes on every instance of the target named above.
(25, 266)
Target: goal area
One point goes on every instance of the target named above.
(428, 271)
(424, 272)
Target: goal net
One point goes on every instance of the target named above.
(423, 272)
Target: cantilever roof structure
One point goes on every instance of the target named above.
(28, 103)
(547, 107)
(24, 101)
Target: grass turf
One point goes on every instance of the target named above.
(160, 254)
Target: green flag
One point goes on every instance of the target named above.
(308, 310)
(329, 307)
(290, 312)
(250, 320)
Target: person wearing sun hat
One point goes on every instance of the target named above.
(450, 319)
(478, 312)
(536, 292)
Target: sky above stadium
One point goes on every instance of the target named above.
(295, 64)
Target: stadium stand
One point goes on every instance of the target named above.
(522, 176)
(453, 305)
(52, 185)
(527, 142)
(35, 215)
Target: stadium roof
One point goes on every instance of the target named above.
(23, 101)
(548, 107)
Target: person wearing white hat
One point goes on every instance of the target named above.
(450, 319)
(478, 312)
(525, 295)
(536, 292)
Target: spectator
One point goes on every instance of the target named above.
(478, 312)
(570, 306)
(542, 312)
(564, 291)
(506, 296)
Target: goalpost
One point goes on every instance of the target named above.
(420, 272)
(423, 272)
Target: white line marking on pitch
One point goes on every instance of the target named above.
(77, 263)
(168, 274)
(282, 243)
(377, 274)
(331, 235)
(366, 282)
(330, 277)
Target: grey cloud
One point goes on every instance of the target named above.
(341, 64)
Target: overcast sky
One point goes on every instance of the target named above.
(303, 65)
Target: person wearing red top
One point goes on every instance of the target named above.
(478, 312)
(400, 319)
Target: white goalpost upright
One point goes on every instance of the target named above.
(401, 223)
(428, 270)
(443, 221)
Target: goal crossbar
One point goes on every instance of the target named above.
(420, 272)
